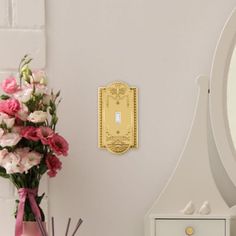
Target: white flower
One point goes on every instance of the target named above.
(40, 89)
(23, 112)
(1, 132)
(24, 95)
(9, 122)
(3, 154)
(9, 139)
(19, 161)
(16, 129)
(12, 163)
(46, 99)
(39, 76)
(30, 159)
(3, 116)
(37, 116)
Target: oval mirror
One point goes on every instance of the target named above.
(223, 97)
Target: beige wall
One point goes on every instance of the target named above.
(160, 46)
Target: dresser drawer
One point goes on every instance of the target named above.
(183, 227)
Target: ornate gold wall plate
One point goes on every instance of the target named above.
(117, 117)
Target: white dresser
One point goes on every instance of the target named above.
(191, 203)
(197, 227)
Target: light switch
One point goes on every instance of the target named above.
(118, 117)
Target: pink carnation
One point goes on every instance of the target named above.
(10, 106)
(53, 165)
(44, 133)
(30, 133)
(58, 144)
(9, 85)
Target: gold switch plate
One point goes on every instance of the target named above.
(118, 117)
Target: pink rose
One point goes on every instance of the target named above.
(9, 85)
(53, 165)
(44, 133)
(30, 133)
(58, 144)
(10, 106)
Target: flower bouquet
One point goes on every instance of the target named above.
(29, 143)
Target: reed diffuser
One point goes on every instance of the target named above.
(44, 233)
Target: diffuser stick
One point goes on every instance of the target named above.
(77, 226)
(53, 231)
(68, 226)
(42, 230)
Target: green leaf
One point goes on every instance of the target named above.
(42, 167)
(3, 173)
(40, 198)
(54, 119)
(6, 176)
(4, 97)
(58, 94)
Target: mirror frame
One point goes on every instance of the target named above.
(218, 97)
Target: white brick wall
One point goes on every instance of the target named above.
(4, 13)
(28, 13)
(15, 43)
(22, 31)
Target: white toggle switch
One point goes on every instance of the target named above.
(118, 117)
